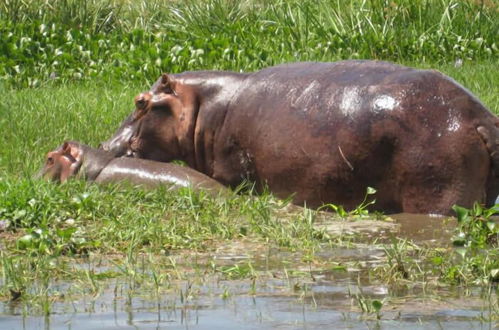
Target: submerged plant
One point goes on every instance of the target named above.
(360, 211)
(366, 304)
(475, 258)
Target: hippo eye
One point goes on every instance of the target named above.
(141, 103)
(50, 161)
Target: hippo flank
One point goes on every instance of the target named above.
(75, 159)
(324, 132)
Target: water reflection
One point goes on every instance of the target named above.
(321, 299)
(425, 228)
(322, 309)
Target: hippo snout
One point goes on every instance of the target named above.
(114, 147)
(117, 149)
(103, 146)
(119, 144)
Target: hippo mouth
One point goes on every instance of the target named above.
(127, 150)
(123, 143)
(133, 143)
(118, 145)
(130, 153)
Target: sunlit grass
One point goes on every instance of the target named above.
(137, 40)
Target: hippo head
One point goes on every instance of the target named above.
(62, 163)
(161, 127)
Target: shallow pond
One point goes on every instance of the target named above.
(336, 291)
(327, 303)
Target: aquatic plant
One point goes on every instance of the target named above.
(60, 40)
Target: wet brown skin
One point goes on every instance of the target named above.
(325, 132)
(75, 159)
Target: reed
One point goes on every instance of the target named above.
(65, 40)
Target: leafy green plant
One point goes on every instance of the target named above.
(475, 257)
(366, 304)
(398, 258)
(360, 211)
(476, 228)
(60, 40)
(53, 242)
(238, 271)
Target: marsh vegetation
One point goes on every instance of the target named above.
(116, 255)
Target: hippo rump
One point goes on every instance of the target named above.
(324, 132)
(76, 159)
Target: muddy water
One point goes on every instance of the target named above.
(328, 304)
(424, 228)
(286, 294)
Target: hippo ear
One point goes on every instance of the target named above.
(167, 84)
(66, 148)
(164, 79)
(71, 152)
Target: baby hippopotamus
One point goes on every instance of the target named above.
(76, 159)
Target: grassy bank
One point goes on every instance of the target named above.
(137, 40)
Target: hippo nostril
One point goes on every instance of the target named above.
(131, 153)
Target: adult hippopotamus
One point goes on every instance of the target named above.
(76, 159)
(324, 132)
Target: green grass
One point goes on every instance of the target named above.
(137, 40)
